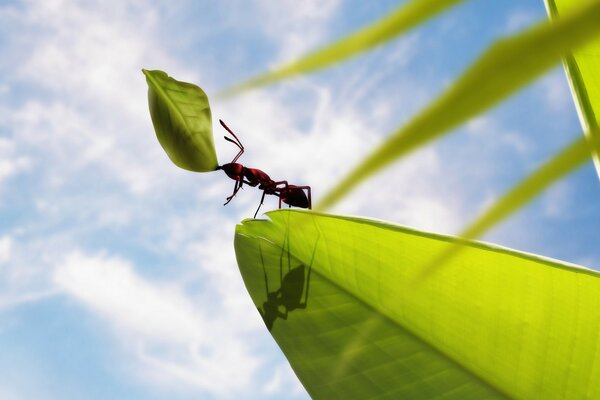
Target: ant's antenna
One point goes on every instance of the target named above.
(237, 142)
(232, 134)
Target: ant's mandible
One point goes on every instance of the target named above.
(291, 195)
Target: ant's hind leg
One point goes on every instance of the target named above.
(285, 186)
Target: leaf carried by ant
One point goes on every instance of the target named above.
(338, 296)
(182, 121)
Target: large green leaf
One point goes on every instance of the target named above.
(583, 68)
(336, 294)
(181, 117)
(504, 68)
(404, 18)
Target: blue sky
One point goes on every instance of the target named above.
(117, 272)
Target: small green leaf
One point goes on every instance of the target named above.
(404, 18)
(582, 68)
(182, 121)
(336, 294)
(506, 67)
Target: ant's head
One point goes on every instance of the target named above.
(233, 170)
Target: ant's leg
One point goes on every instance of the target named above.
(236, 187)
(261, 203)
(275, 184)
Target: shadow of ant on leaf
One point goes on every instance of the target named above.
(292, 285)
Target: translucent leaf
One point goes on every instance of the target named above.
(582, 67)
(336, 294)
(182, 121)
(404, 18)
(506, 67)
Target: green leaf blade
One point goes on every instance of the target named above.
(582, 68)
(490, 79)
(495, 323)
(404, 18)
(182, 121)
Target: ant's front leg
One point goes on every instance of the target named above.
(236, 187)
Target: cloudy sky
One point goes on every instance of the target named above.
(117, 272)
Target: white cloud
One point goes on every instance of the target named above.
(283, 381)
(110, 287)
(484, 130)
(519, 20)
(89, 51)
(294, 26)
(11, 300)
(557, 200)
(5, 248)
(173, 341)
(556, 91)
(88, 57)
(10, 163)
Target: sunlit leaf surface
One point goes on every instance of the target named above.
(404, 18)
(583, 70)
(336, 294)
(506, 67)
(182, 121)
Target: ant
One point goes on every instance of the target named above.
(291, 195)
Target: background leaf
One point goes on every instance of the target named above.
(182, 121)
(582, 68)
(504, 68)
(495, 323)
(405, 17)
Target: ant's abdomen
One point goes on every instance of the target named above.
(295, 197)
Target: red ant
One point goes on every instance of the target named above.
(291, 195)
